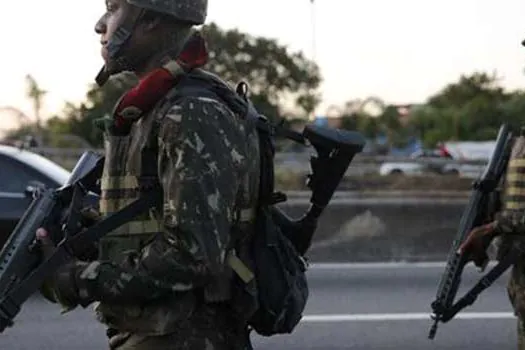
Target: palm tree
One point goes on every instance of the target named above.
(36, 94)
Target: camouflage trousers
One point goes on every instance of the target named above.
(521, 334)
(176, 341)
(516, 293)
(209, 329)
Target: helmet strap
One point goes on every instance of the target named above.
(118, 40)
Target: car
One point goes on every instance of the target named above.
(413, 167)
(20, 171)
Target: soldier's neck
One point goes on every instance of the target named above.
(170, 52)
(153, 63)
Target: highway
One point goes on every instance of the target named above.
(352, 306)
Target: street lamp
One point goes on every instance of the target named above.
(313, 27)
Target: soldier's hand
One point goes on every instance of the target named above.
(47, 247)
(58, 287)
(476, 244)
(46, 244)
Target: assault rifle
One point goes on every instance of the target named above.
(23, 270)
(335, 150)
(22, 267)
(444, 307)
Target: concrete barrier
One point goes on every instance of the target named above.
(383, 229)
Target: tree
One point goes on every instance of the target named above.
(36, 94)
(273, 75)
(472, 108)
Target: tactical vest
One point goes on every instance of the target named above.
(119, 187)
(514, 195)
(514, 201)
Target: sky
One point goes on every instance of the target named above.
(401, 51)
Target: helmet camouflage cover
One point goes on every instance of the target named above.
(192, 11)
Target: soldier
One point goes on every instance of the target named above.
(164, 280)
(508, 226)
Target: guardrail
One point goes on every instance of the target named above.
(290, 157)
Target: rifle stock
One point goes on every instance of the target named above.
(335, 150)
(443, 307)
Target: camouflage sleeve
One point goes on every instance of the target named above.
(199, 162)
(510, 222)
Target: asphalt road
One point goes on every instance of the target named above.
(351, 307)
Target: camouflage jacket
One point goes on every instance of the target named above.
(208, 166)
(511, 219)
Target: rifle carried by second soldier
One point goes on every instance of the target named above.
(479, 208)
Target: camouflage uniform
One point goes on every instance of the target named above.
(510, 224)
(170, 279)
(164, 282)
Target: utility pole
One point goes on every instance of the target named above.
(313, 39)
(313, 27)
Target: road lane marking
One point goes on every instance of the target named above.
(383, 265)
(404, 317)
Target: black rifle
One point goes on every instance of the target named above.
(335, 148)
(22, 268)
(443, 307)
(23, 271)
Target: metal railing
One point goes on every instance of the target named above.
(75, 153)
(299, 162)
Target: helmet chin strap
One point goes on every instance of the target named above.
(118, 40)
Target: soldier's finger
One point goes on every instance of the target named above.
(465, 245)
(46, 244)
(41, 233)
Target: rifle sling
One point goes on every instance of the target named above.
(74, 245)
(486, 281)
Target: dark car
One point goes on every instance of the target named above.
(20, 170)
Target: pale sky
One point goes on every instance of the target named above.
(399, 50)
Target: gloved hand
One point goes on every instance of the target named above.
(59, 287)
(90, 216)
(477, 242)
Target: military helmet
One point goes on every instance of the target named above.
(192, 11)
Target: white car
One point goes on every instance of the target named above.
(412, 168)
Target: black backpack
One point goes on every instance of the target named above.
(280, 271)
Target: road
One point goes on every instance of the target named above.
(368, 306)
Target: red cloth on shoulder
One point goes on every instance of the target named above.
(156, 84)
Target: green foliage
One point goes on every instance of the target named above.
(271, 71)
(273, 74)
(471, 108)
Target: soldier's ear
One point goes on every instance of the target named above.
(151, 21)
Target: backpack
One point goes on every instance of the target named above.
(280, 271)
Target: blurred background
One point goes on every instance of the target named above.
(427, 82)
